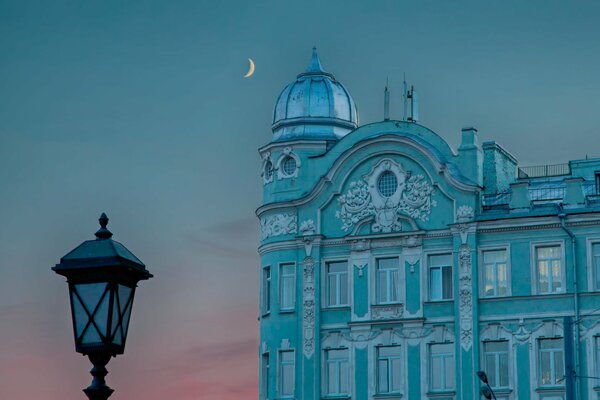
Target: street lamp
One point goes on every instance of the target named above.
(102, 276)
(486, 391)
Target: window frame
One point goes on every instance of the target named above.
(325, 283)
(326, 378)
(443, 356)
(398, 280)
(280, 374)
(266, 289)
(390, 370)
(484, 353)
(281, 286)
(427, 271)
(481, 265)
(592, 273)
(264, 375)
(534, 266)
(552, 359)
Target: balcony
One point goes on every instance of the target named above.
(542, 194)
(544, 171)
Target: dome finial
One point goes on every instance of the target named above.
(315, 63)
(103, 233)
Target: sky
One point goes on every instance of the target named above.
(139, 109)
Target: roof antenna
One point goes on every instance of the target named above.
(414, 104)
(404, 96)
(386, 101)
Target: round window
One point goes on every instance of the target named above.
(289, 166)
(387, 184)
(268, 170)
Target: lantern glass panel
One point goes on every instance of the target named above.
(91, 336)
(90, 301)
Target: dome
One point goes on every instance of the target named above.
(314, 106)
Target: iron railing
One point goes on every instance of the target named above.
(540, 195)
(541, 171)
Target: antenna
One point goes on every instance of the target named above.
(414, 105)
(386, 101)
(405, 97)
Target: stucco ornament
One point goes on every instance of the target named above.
(308, 227)
(278, 224)
(465, 293)
(465, 214)
(364, 199)
(308, 307)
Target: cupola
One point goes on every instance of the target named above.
(314, 106)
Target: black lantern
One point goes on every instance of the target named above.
(102, 276)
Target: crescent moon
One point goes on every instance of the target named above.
(250, 70)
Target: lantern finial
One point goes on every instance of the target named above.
(103, 233)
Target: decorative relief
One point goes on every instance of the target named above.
(387, 311)
(308, 227)
(360, 268)
(308, 307)
(360, 245)
(465, 213)
(465, 293)
(278, 224)
(411, 197)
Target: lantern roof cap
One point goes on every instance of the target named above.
(101, 252)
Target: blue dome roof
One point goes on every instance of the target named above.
(314, 106)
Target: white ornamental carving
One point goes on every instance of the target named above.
(308, 227)
(308, 307)
(363, 200)
(465, 213)
(278, 224)
(465, 295)
(388, 311)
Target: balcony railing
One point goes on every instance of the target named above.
(541, 195)
(542, 171)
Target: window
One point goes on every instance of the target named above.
(265, 376)
(337, 372)
(440, 277)
(388, 369)
(266, 287)
(286, 373)
(287, 286)
(268, 171)
(387, 184)
(387, 280)
(337, 283)
(597, 353)
(596, 264)
(549, 270)
(552, 364)
(289, 166)
(597, 176)
(495, 273)
(441, 367)
(495, 362)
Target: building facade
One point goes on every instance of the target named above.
(394, 267)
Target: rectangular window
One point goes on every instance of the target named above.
(337, 372)
(287, 285)
(552, 364)
(388, 369)
(387, 280)
(440, 277)
(495, 356)
(549, 270)
(286, 373)
(495, 273)
(441, 367)
(266, 287)
(337, 283)
(265, 376)
(597, 354)
(596, 264)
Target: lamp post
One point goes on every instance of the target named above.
(487, 391)
(102, 276)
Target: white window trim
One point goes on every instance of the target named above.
(539, 365)
(287, 152)
(425, 272)
(481, 250)
(430, 366)
(325, 290)
(263, 309)
(508, 361)
(401, 295)
(263, 172)
(591, 274)
(280, 288)
(533, 263)
(264, 380)
(493, 333)
(279, 374)
(324, 369)
(549, 330)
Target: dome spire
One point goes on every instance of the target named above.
(315, 63)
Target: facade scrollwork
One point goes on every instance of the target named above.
(465, 291)
(278, 224)
(308, 307)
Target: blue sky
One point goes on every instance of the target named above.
(139, 109)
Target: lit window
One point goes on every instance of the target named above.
(287, 284)
(268, 171)
(387, 280)
(495, 274)
(289, 166)
(440, 277)
(496, 363)
(265, 376)
(286, 373)
(549, 271)
(388, 369)
(387, 184)
(337, 283)
(266, 287)
(337, 372)
(552, 365)
(596, 264)
(441, 367)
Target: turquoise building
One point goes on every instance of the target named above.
(396, 267)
